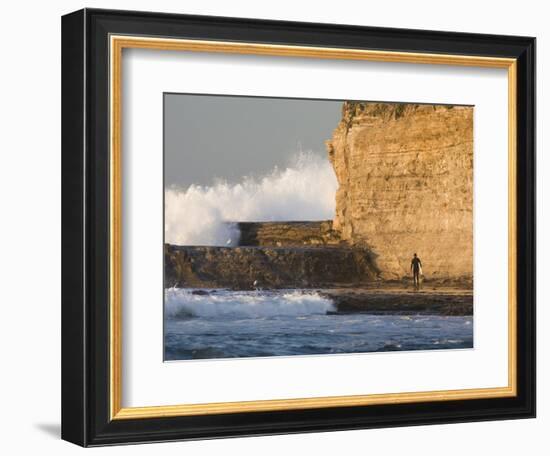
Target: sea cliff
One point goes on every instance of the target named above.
(405, 174)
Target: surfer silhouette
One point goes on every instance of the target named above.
(416, 268)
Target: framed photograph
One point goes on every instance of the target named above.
(278, 227)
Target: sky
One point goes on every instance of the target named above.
(209, 137)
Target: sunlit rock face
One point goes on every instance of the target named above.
(277, 234)
(405, 174)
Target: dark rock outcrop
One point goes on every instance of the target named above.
(269, 267)
(403, 302)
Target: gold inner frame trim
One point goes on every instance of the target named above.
(117, 44)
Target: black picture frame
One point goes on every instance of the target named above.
(85, 228)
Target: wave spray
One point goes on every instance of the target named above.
(203, 215)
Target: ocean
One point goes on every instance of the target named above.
(210, 324)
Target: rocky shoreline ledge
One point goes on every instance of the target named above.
(395, 301)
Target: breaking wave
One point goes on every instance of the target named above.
(200, 215)
(183, 303)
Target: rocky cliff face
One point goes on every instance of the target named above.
(405, 174)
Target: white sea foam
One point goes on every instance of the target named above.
(198, 215)
(244, 304)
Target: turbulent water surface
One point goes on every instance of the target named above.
(201, 324)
